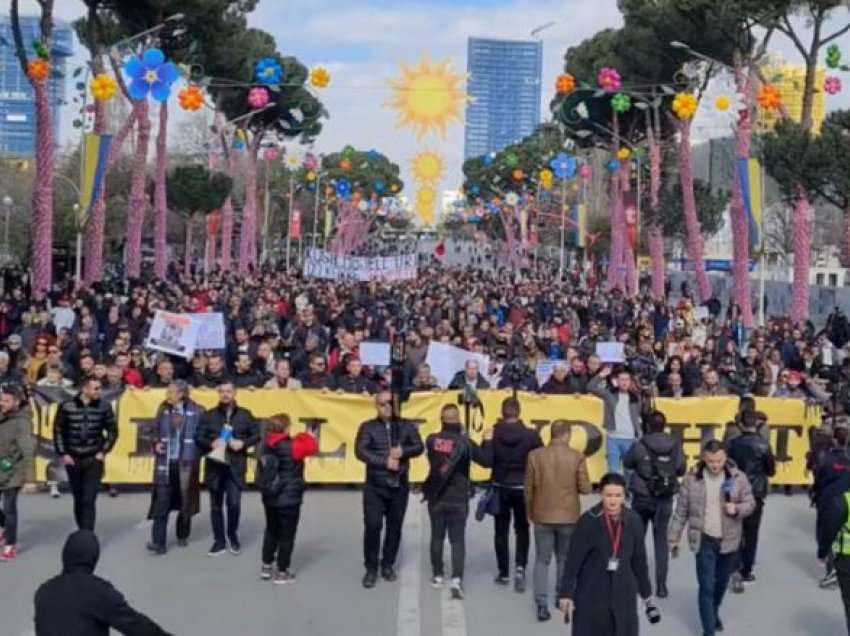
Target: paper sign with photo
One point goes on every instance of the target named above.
(611, 352)
(445, 361)
(173, 333)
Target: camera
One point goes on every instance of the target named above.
(514, 372)
(653, 615)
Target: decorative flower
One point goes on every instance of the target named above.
(150, 75)
(40, 50)
(613, 165)
(268, 71)
(623, 154)
(475, 189)
(546, 177)
(518, 175)
(38, 69)
(565, 84)
(833, 56)
(609, 79)
(512, 198)
(103, 87)
(720, 106)
(685, 105)
(310, 176)
(585, 172)
(238, 144)
(271, 153)
(379, 186)
(311, 162)
(769, 98)
(191, 98)
(293, 161)
(621, 103)
(363, 206)
(348, 152)
(832, 85)
(320, 77)
(511, 160)
(373, 155)
(488, 159)
(345, 164)
(564, 166)
(394, 187)
(343, 188)
(258, 97)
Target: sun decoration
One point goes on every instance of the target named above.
(103, 87)
(770, 97)
(428, 97)
(832, 85)
(310, 176)
(609, 79)
(546, 178)
(425, 198)
(191, 98)
(565, 84)
(258, 97)
(320, 77)
(38, 69)
(623, 154)
(685, 105)
(428, 167)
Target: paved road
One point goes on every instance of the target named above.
(194, 595)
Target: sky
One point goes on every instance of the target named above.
(364, 42)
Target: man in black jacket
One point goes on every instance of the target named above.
(78, 602)
(385, 445)
(512, 442)
(831, 468)
(230, 430)
(83, 433)
(447, 490)
(470, 376)
(752, 454)
(657, 460)
(565, 381)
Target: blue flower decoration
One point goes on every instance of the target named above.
(373, 155)
(268, 71)
(379, 186)
(150, 75)
(488, 159)
(238, 144)
(564, 166)
(343, 188)
(614, 165)
(475, 189)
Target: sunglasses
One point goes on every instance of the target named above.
(382, 404)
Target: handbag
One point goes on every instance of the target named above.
(489, 503)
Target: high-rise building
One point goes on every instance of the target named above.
(17, 104)
(790, 80)
(504, 84)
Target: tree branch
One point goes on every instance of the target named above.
(836, 35)
(788, 30)
(17, 36)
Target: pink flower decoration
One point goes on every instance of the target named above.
(608, 79)
(258, 97)
(271, 153)
(311, 162)
(585, 172)
(832, 85)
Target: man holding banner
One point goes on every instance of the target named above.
(225, 434)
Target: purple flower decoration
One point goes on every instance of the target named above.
(150, 75)
(564, 166)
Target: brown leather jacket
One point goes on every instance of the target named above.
(555, 476)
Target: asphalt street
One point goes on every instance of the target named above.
(191, 594)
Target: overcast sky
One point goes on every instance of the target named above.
(363, 43)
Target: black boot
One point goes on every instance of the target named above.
(369, 579)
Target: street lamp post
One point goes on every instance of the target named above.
(7, 208)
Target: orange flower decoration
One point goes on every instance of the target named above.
(770, 98)
(345, 164)
(38, 69)
(518, 175)
(191, 98)
(565, 83)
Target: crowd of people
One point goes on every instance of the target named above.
(284, 331)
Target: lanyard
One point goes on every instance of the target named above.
(615, 535)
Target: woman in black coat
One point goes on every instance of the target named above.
(606, 567)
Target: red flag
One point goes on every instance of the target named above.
(295, 224)
(440, 250)
(213, 223)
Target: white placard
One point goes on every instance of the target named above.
(173, 333)
(445, 361)
(328, 266)
(375, 354)
(545, 369)
(611, 352)
(63, 318)
(211, 334)
(701, 313)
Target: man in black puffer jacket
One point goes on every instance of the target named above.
(78, 602)
(386, 447)
(83, 433)
(447, 490)
(280, 477)
(752, 454)
(512, 442)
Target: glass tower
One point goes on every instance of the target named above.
(17, 105)
(504, 84)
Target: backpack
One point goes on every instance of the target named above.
(662, 481)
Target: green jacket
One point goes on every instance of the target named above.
(17, 445)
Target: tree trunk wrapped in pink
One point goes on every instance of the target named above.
(655, 237)
(693, 232)
(160, 198)
(616, 263)
(802, 230)
(248, 235)
(138, 203)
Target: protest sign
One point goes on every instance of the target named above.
(611, 352)
(173, 333)
(445, 361)
(375, 354)
(211, 334)
(325, 265)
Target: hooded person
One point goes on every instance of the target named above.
(78, 602)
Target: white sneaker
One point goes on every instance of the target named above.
(437, 582)
(457, 589)
(54, 491)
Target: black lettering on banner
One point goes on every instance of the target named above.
(706, 432)
(315, 424)
(783, 433)
(145, 437)
(593, 434)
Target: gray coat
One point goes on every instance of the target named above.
(598, 386)
(690, 509)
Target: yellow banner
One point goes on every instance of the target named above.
(337, 417)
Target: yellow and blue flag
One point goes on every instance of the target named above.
(578, 215)
(750, 178)
(95, 155)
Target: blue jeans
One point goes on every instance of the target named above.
(615, 450)
(713, 572)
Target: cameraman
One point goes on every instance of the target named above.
(518, 376)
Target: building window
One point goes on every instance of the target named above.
(833, 280)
